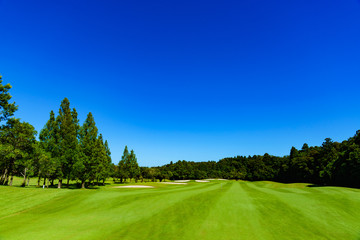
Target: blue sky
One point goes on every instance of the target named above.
(192, 80)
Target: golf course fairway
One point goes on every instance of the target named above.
(209, 210)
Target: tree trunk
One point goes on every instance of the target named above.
(3, 177)
(47, 183)
(60, 182)
(82, 184)
(28, 181)
(11, 180)
(6, 180)
(39, 179)
(44, 181)
(24, 182)
(52, 182)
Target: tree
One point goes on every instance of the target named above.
(6, 109)
(17, 140)
(109, 160)
(86, 164)
(103, 159)
(45, 164)
(49, 143)
(133, 167)
(67, 140)
(123, 172)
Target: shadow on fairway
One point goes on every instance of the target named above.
(320, 186)
(73, 186)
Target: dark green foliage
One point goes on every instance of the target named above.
(65, 150)
(88, 161)
(122, 170)
(132, 166)
(67, 140)
(49, 148)
(332, 163)
(17, 144)
(102, 154)
(45, 165)
(128, 167)
(7, 109)
(73, 152)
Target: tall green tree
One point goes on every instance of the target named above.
(49, 142)
(67, 140)
(102, 159)
(133, 166)
(122, 170)
(49, 136)
(86, 165)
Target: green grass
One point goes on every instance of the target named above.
(215, 210)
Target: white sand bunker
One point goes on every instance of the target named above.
(176, 183)
(212, 179)
(182, 181)
(202, 181)
(134, 186)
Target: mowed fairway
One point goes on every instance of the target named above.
(214, 210)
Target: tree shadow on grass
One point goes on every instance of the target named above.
(72, 186)
(321, 185)
(316, 185)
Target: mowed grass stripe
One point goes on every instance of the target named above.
(92, 215)
(315, 216)
(234, 216)
(215, 210)
(181, 220)
(14, 199)
(326, 205)
(281, 220)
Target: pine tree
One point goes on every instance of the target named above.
(102, 170)
(133, 167)
(86, 165)
(110, 170)
(123, 172)
(49, 142)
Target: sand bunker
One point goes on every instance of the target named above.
(182, 181)
(212, 179)
(201, 181)
(134, 186)
(176, 183)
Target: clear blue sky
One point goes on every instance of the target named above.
(192, 80)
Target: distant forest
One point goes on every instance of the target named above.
(68, 151)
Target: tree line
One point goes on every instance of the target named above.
(67, 151)
(332, 163)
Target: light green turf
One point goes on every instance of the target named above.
(216, 210)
